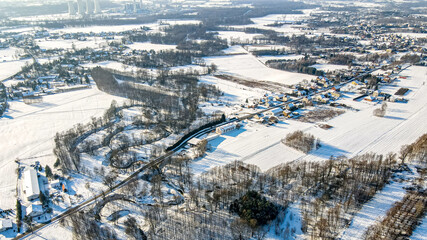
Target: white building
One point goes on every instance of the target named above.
(56, 184)
(274, 112)
(226, 128)
(34, 210)
(31, 184)
(194, 141)
(5, 224)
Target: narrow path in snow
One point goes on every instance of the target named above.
(376, 209)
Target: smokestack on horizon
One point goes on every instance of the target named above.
(97, 6)
(89, 7)
(80, 7)
(71, 8)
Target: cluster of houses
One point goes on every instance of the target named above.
(31, 84)
(31, 188)
(273, 115)
(371, 95)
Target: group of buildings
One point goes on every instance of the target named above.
(31, 199)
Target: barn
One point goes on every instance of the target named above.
(31, 184)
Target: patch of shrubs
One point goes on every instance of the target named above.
(301, 141)
(254, 209)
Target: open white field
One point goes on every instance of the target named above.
(235, 49)
(104, 28)
(412, 35)
(355, 132)
(10, 54)
(178, 22)
(95, 43)
(52, 232)
(234, 95)
(247, 66)
(154, 26)
(27, 131)
(150, 46)
(264, 59)
(236, 36)
(254, 144)
(113, 65)
(293, 24)
(18, 29)
(10, 68)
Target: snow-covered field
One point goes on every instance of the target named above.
(52, 232)
(10, 54)
(113, 65)
(155, 26)
(150, 46)
(294, 24)
(234, 36)
(247, 66)
(412, 35)
(10, 68)
(264, 59)
(151, 71)
(178, 22)
(95, 43)
(103, 28)
(28, 130)
(235, 49)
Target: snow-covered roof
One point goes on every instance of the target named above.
(194, 141)
(227, 127)
(34, 210)
(31, 183)
(276, 110)
(5, 224)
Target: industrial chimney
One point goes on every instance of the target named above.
(71, 8)
(80, 7)
(97, 6)
(89, 7)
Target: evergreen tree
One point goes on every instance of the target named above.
(48, 172)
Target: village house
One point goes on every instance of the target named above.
(307, 100)
(321, 98)
(334, 94)
(258, 116)
(31, 184)
(291, 107)
(226, 128)
(274, 112)
(194, 142)
(370, 98)
(273, 119)
(287, 113)
(34, 210)
(5, 224)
